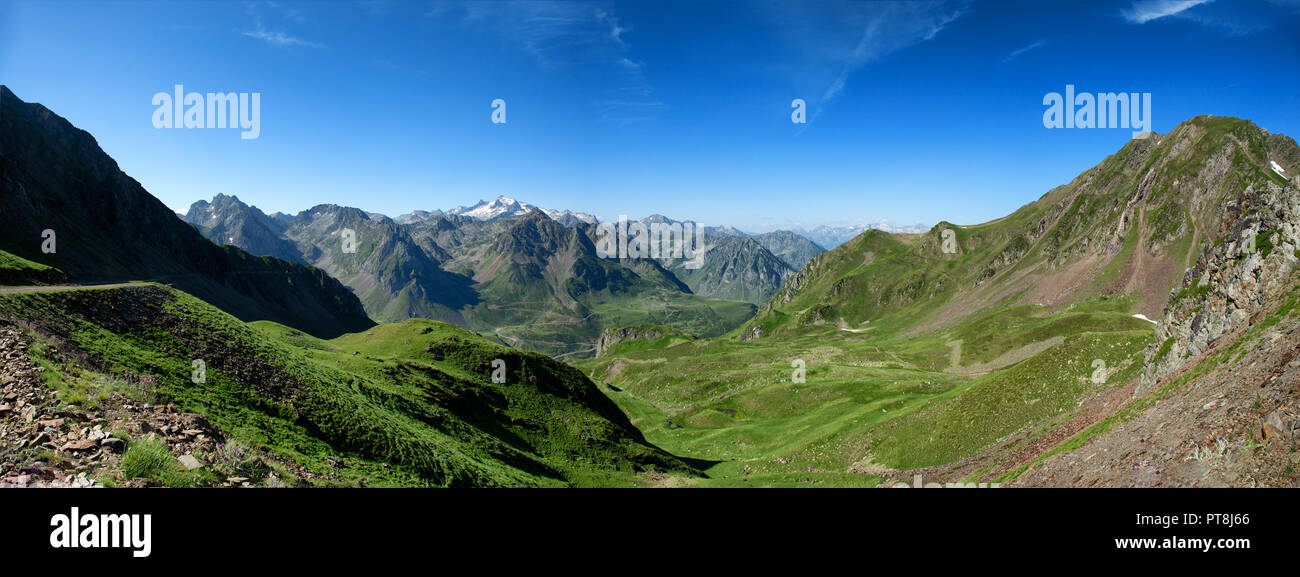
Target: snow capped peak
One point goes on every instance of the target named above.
(503, 206)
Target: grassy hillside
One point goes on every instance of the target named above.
(929, 350)
(1129, 226)
(875, 400)
(406, 404)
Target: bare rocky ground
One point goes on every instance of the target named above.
(47, 443)
(1237, 426)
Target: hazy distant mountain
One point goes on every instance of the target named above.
(735, 268)
(491, 210)
(393, 275)
(735, 265)
(829, 237)
(795, 249)
(489, 268)
(418, 216)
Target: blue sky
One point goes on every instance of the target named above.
(918, 111)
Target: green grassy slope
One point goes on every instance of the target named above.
(1128, 226)
(18, 271)
(406, 404)
(873, 401)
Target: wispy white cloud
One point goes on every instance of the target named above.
(893, 26)
(277, 37)
(1143, 11)
(1223, 18)
(1023, 49)
(557, 33)
(828, 42)
(280, 38)
(584, 36)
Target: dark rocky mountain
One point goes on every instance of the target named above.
(107, 227)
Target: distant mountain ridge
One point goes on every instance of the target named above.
(449, 265)
(529, 280)
(829, 237)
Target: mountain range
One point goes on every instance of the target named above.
(1137, 326)
(497, 208)
(449, 266)
(204, 365)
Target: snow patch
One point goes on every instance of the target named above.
(1143, 317)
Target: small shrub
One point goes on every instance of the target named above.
(151, 458)
(147, 459)
(236, 460)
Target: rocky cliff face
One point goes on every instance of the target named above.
(1247, 269)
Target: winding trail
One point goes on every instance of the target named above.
(4, 290)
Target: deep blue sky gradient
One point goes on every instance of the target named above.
(920, 111)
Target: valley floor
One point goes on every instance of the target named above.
(1026, 410)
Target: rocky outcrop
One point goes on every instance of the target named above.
(611, 337)
(1246, 270)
